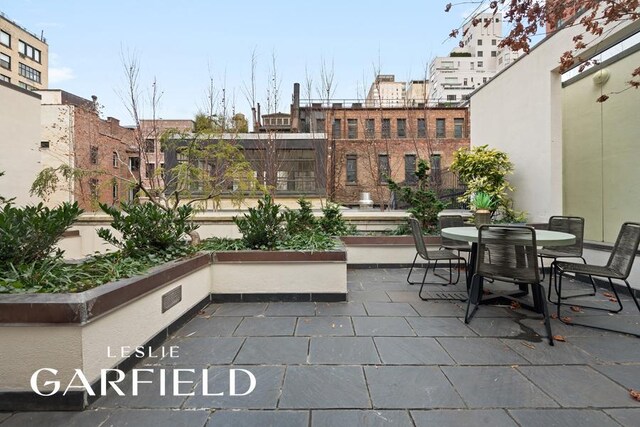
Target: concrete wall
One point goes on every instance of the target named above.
(601, 151)
(528, 126)
(19, 142)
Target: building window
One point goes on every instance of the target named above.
(422, 128)
(480, 64)
(29, 51)
(383, 168)
(5, 61)
(352, 169)
(5, 78)
(337, 129)
(494, 53)
(30, 73)
(435, 164)
(480, 54)
(451, 97)
(410, 169)
(386, 128)
(370, 128)
(114, 192)
(93, 188)
(150, 145)
(352, 128)
(150, 170)
(494, 42)
(484, 80)
(134, 164)
(320, 125)
(93, 155)
(402, 128)
(114, 159)
(479, 42)
(440, 128)
(458, 128)
(44, 144)
(5, 39)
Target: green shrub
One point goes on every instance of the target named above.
(332, 222)
(263, 226)
(148, 229)
(300, 220)
(29, 234)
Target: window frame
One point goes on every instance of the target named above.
(442, 134)
(352, 128)
(410, 177)
(383, 160)
(403, 128)
(8, 38)
(351, 159)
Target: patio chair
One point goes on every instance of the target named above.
(565, 224)
(618, 267)
(429, 257)
(450, 244)
(514, 259)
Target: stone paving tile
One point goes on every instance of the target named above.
(203, 350)
(440, 327)
(324, 326)
(404, 296)
(273, 351)
(340, 309)
(264, 396)
(411, 351)
(480, 351)
(209, 327)
(325, 387)
(382, 326)
(56, 419)
(259, 419)
(562, 418)
(498, 311)
(373, 296)
(499, 327)
(343, 351)
(626, 417)
(149, 395)
(265, 327)
(541, 353)
(389, 309)
(463, 417)
(392, 285)
(559, 328)
(4, 417)
(157, 417)
(243, 309)
(578, 386)
(353, 418)
(294, 309)
(438, 309)
(496, 387)
(402, 387)
(210, 309)
(627, 376)
(620, 349)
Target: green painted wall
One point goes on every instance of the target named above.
(601, 151)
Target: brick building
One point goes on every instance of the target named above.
(72, 133)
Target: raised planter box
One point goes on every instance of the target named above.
(76, 331)
(279, 276)
(383, 251)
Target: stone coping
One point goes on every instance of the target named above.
(279, 256)
(83, 307)
(386, 240)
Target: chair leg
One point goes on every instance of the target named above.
(593, 283)
(538, 291)
(424, 278)
(413, 264)
(474, 297)
(542, 269)
(590, 307)
(631, 291)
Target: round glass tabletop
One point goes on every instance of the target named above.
(543, 237)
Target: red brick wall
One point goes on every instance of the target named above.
(367, 148)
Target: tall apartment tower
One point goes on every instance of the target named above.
(454, 77)
(386, 92)
(24, 57)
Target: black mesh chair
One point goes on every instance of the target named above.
(514, 259)
(618, 267)
(429, 257)
(565, 224)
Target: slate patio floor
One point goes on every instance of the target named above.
(384, 358)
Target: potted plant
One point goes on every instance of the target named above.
(482, 204)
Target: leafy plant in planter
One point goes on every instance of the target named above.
(148, 229)
(263, 226)
(423, 202)
(332, 222)
(483, 205)
(300, 220)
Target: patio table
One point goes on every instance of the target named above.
(470, 234)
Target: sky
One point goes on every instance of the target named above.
(183, 44)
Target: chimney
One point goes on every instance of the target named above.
(254, 120)
(295, 108)
(114, 124)
(259, 118)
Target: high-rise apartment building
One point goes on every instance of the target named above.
(386, 92)
(454, 77)
(24, 57)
